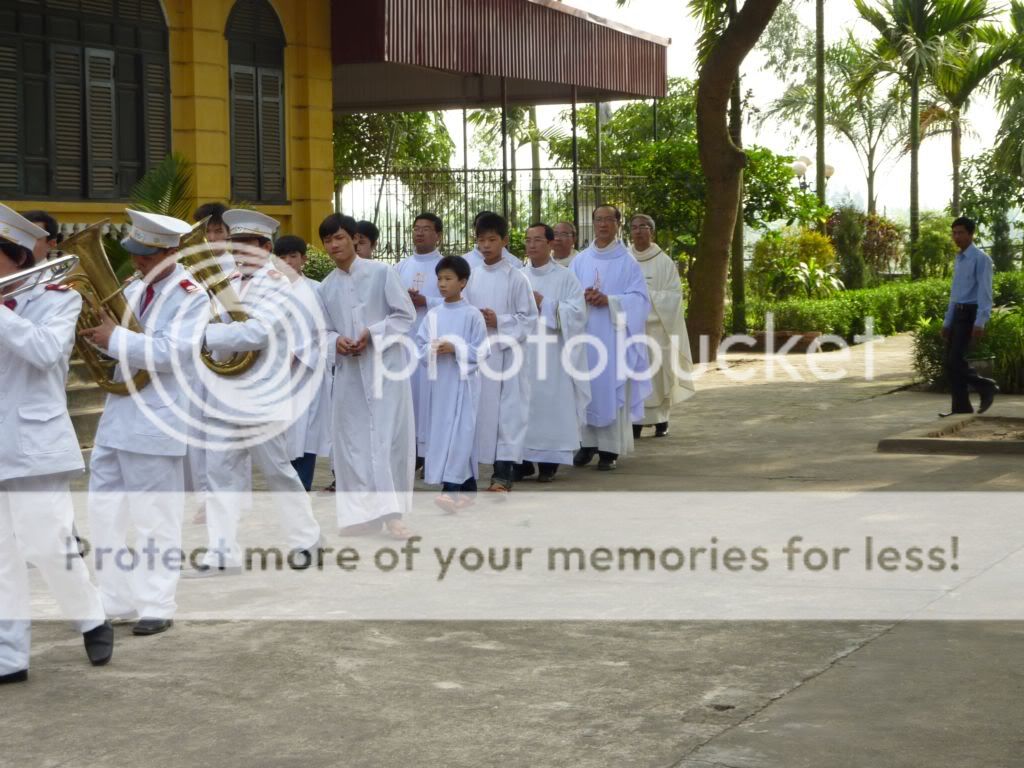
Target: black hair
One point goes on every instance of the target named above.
(289, 244)
(369, 230)
(481, 215)
(966, 223)
(549, 233)
(492, 222)
(215, 211)
(618, 213)
(46, 221)
(22, 257)
(433, 218)
(455, 264)
(336, 222)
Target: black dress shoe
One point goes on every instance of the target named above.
(584, 456)
(954, 413)
(546, 477)
(608, 462)
(14, 677)
(987, 397)
(99, 644)
(637, 430)
(660, 430)
(152, 626)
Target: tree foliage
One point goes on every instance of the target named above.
(370, 144)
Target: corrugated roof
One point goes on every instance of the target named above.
(424, 54)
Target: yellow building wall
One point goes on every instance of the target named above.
(200, 116)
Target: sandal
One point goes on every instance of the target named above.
(396, 530)
(447, 503)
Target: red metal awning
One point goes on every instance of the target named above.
(392, 55)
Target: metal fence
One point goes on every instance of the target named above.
(457, 195)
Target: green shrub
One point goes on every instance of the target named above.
(846, 230)
(793, 262)
(933, 255)
(318, 265)
(882, 247)
(1003, 341)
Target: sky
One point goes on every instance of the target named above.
(668, 18)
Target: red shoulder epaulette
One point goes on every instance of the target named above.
(189, 286)
(57, 287)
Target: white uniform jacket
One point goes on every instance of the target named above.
(36, 339)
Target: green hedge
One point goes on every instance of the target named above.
(896, 307)
(1003, 341)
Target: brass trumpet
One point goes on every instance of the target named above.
(202, 264)
(41, 274)
(94, 279)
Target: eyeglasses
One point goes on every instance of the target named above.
(638, 227)
(605, 219)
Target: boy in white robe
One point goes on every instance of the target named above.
(451, 340)
(558, 401)
(309, 434)
(502, 294)
(367, 236)
(368, 314)
(671, 383)
(617, 309)
(475, 259)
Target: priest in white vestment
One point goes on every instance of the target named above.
(617, 310)
(502, 294)
(558, 401)
(672, 382)
(420, 279)
(368, 316)
(564, 245)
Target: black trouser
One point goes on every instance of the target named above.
(304, 468)
(454, 489)
(503, 473)
(546, 468)
(961, 375)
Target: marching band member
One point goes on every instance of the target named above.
(137, 469)
(37, 333)
(309, 435)
(246, 405)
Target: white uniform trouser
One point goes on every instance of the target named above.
(135, 489)
(195, 453)
(230, 483)
(36, 515)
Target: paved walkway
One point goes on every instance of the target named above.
(475, 694)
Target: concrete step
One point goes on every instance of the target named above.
(85, 396)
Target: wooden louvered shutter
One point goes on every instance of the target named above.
(271, 135)
(157, 118)
(244, 134)
(66, 69)
(10, 128)
(101, 124)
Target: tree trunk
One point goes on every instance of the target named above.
(956, 136)
(536, 195)
(819, 98)
(739, 301)
(722, 162)
(338, 187)
(915, 149)
(872, 203)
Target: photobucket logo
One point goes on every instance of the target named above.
(639, 357)
(268, 313)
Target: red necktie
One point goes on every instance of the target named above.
(11, 303)
(147, 298)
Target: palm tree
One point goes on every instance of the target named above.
(912, 35)
(867, 115)
(955, 75)
(819, 97)
(1009, 150)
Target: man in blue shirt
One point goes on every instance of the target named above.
(970, 305)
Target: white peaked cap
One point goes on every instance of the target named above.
(155, 230)
(241, 222)
(18, 229)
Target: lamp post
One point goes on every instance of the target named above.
(801, 165)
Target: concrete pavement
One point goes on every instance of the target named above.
(694, 694)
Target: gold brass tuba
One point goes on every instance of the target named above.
(202, 264)
(94, 279)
